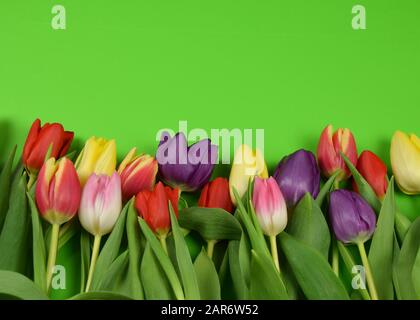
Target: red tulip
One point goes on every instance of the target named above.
(372, 168)
(328, 153)
(138, 173)
(39, 141)
(58, 191)
(152, 206)
(215, 194)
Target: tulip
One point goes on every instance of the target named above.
(353, 221)
(137, 173)
(215, 194)
(99, 210)
(99, 156)
(153, 207)
(328, 153)
(39, 141)
(271, 211)
(184, 167)
(405, 162)
(58, 191)
(101, 203)
(372, 168)
(247, 164)
(296, 175)
(57, 196)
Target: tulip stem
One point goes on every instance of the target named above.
(335, 258)
(162, 239)
(95, 253)
(274, 252)
(368, 271)
(52, 255)
(210, 248)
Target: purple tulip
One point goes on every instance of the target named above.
(352, 219)
(296, 175)
(185, 167)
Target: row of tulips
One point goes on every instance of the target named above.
(243, 219)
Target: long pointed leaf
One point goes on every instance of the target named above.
(163, 259)
(111, 249)
(133, 236)
(5, 183)
(186, 268)
(312, 271)
(38, 253)
(382, 247)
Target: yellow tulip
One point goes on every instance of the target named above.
(98, 156)
(247, 164)
(405, 161)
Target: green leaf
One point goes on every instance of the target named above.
(17, 286)
(185, 265)
(111, 249)
(236, 271)
(99, 295)
(266, 283)
(207, 278)
(382, 247)
(365, 190)
(257, 240)
(326, 188)
(245, 258)
(211, 223)
(416, 274)
(163, 259)
(38, 252)
(312, 271)
(116, 279)
(309, 226)
(5, 183)
(394, 268)
(134, 240)
(15, 236)
(349, 264)
(155, 282)
(406, 261)
(85, 253)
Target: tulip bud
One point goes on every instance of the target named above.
(329, 147)
(153, 207)
(39, 141)
(247, 164)
(99, 156)
(215, 194)
(270, 206)
(138, 173)
(352, 219)
(58, 191)
(296, 175)
(372, 168)
(101, 203)
(405, 161)
(187, 168)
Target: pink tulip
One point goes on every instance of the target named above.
(101, 203)
(270, 206)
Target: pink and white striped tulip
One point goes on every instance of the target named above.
(58, 191)
(270, 206)
(101, 203)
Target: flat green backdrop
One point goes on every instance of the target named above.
(125, 69)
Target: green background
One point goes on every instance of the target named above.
(125, 69)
